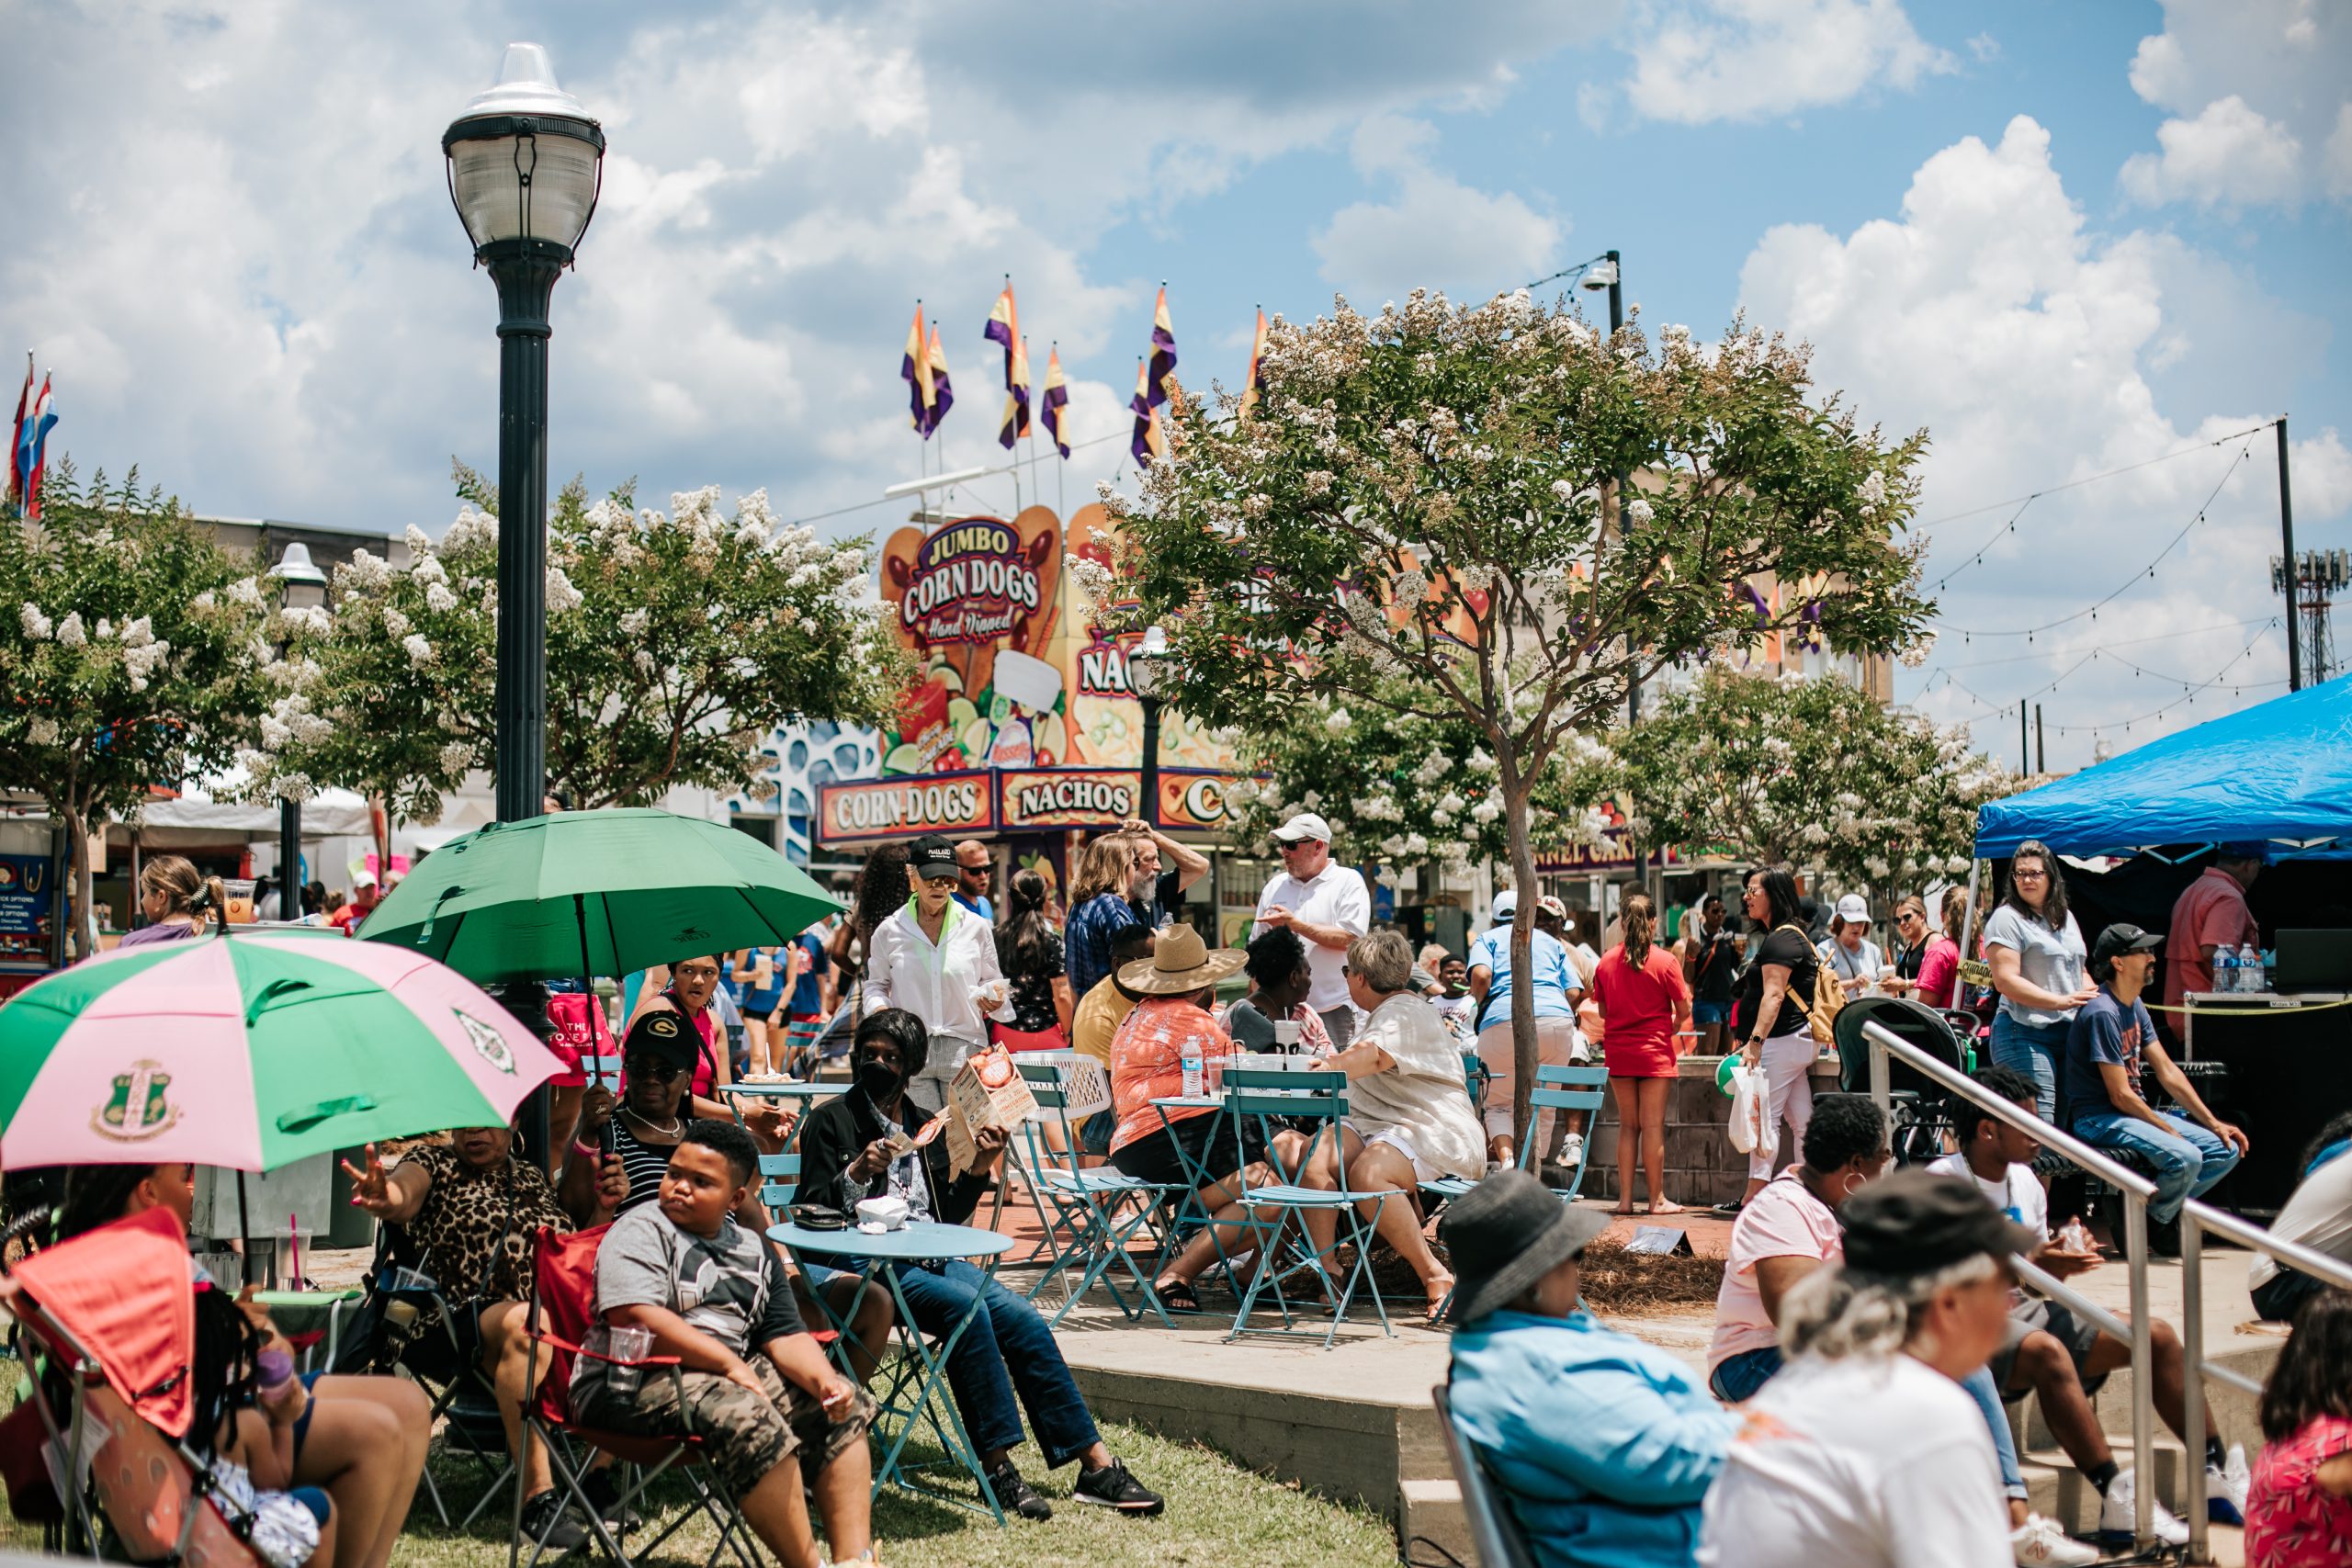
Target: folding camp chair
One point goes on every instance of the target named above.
(114, 1314)
(1319, 1100)
(1494, 1533)
(1087, 1215)
(564, 1292)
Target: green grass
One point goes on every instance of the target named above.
(1219, 1513)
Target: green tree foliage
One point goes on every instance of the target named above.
(675, 642)
(1424, 512)
(134, 656)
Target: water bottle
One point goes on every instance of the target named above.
(2250, 975)
(2225, 968)
(1192, 1059)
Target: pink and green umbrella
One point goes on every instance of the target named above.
(250, 1051)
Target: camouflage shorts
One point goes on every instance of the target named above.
(746, 1436)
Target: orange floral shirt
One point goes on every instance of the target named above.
(1148, 1063)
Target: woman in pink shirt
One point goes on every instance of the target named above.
(1938, 979)
(1638, 990)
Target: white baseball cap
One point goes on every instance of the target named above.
(1854, 906)
(1506, 907)
(1305, 825)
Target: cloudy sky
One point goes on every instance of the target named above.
(2066, 239)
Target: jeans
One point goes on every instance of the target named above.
(1980, 1387)
(2032, 1049)
(1736, 1379)
(1007, 1348)
(928, 1089)
(2189, 1160)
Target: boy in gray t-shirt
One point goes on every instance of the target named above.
(713, 1294)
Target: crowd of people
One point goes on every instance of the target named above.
(1870, 1334)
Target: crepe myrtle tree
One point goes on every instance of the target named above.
(1810, 772)
(134, 659)
(1424, 511)
(675, 643)
(1401, 788)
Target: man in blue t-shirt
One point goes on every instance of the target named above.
(2111, 1045)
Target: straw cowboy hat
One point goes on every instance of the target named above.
(1183, 962)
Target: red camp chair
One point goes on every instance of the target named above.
(114, 1313)
(563, 1309)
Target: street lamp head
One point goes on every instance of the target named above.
(525, 160)
(1600, 275)
(300, 584)
(1147, 662)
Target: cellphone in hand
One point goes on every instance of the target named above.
(606, 1139)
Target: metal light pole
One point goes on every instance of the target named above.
(300, 586)
(1146, 665)
(525, 164)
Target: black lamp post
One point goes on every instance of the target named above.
(300, 586)
(1146, 665)
(525, 164)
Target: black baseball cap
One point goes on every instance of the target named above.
(931, 855)
(1913, 1223)
(2119, 938)
(666, 1036)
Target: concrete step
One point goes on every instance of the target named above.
(2054, 1487)
(1433, 1511)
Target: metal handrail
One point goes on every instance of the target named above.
(2136, 1189)
(2196, 1218)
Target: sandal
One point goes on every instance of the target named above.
(1177, 1295)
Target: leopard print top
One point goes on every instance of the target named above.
(474, 1230)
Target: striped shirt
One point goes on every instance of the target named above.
(644, 1162)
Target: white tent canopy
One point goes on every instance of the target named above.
(191, 823)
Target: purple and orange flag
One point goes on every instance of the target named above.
(1054, 408)
(1015, 424)
(915, 369)
(1149, 441)
(1163, 350)
(1257, 353)
(942, 392)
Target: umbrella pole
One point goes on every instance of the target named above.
(245, 1235)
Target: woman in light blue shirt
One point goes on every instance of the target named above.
(2040, 969)
(1602, 1446)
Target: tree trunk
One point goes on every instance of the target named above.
(81, 914)
(1524, 1057)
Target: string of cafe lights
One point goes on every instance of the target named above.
(1976, 556)
(1968, 634)
(2191, 689)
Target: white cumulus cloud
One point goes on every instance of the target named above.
(2258, 101)
(1437, 233)
(1699, 61)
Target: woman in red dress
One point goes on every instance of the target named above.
(1644, 1004)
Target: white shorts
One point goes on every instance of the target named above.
(1400, 1140)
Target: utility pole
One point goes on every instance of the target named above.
(2040, 759)
(2025, 755)
(2286, 536)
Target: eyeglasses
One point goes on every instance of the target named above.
(655, 1067)
(2037, 874)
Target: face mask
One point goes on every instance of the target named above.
(880, 1082)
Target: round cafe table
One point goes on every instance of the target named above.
(916, 1376)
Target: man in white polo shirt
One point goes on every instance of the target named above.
(1327, 906)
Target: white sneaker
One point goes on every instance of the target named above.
(2115, 1515)
(1572, 1150)
(2040, 1543)
(2225, 1488)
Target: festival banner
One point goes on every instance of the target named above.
(948, 803)
(1067, 797)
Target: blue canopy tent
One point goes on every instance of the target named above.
(2279, 772)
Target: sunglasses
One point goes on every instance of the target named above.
(943, 879)
(1294, 849)
(655, 1067)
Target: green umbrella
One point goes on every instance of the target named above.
(588, 893)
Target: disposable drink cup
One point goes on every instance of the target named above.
(1216, 1073)
(1285, 1034)
(630, 1344)
(291, 1248)
(409, 1279)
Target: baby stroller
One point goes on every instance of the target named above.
(1919, 1109)
(112, 1315)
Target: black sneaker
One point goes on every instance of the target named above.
(1015, 1495)
(548, 1523)
(603, 1494)
(1113, 1487)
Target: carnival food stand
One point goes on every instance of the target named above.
(2280, 773)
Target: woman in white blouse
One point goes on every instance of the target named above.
(1408, 1111)
(937, 960)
